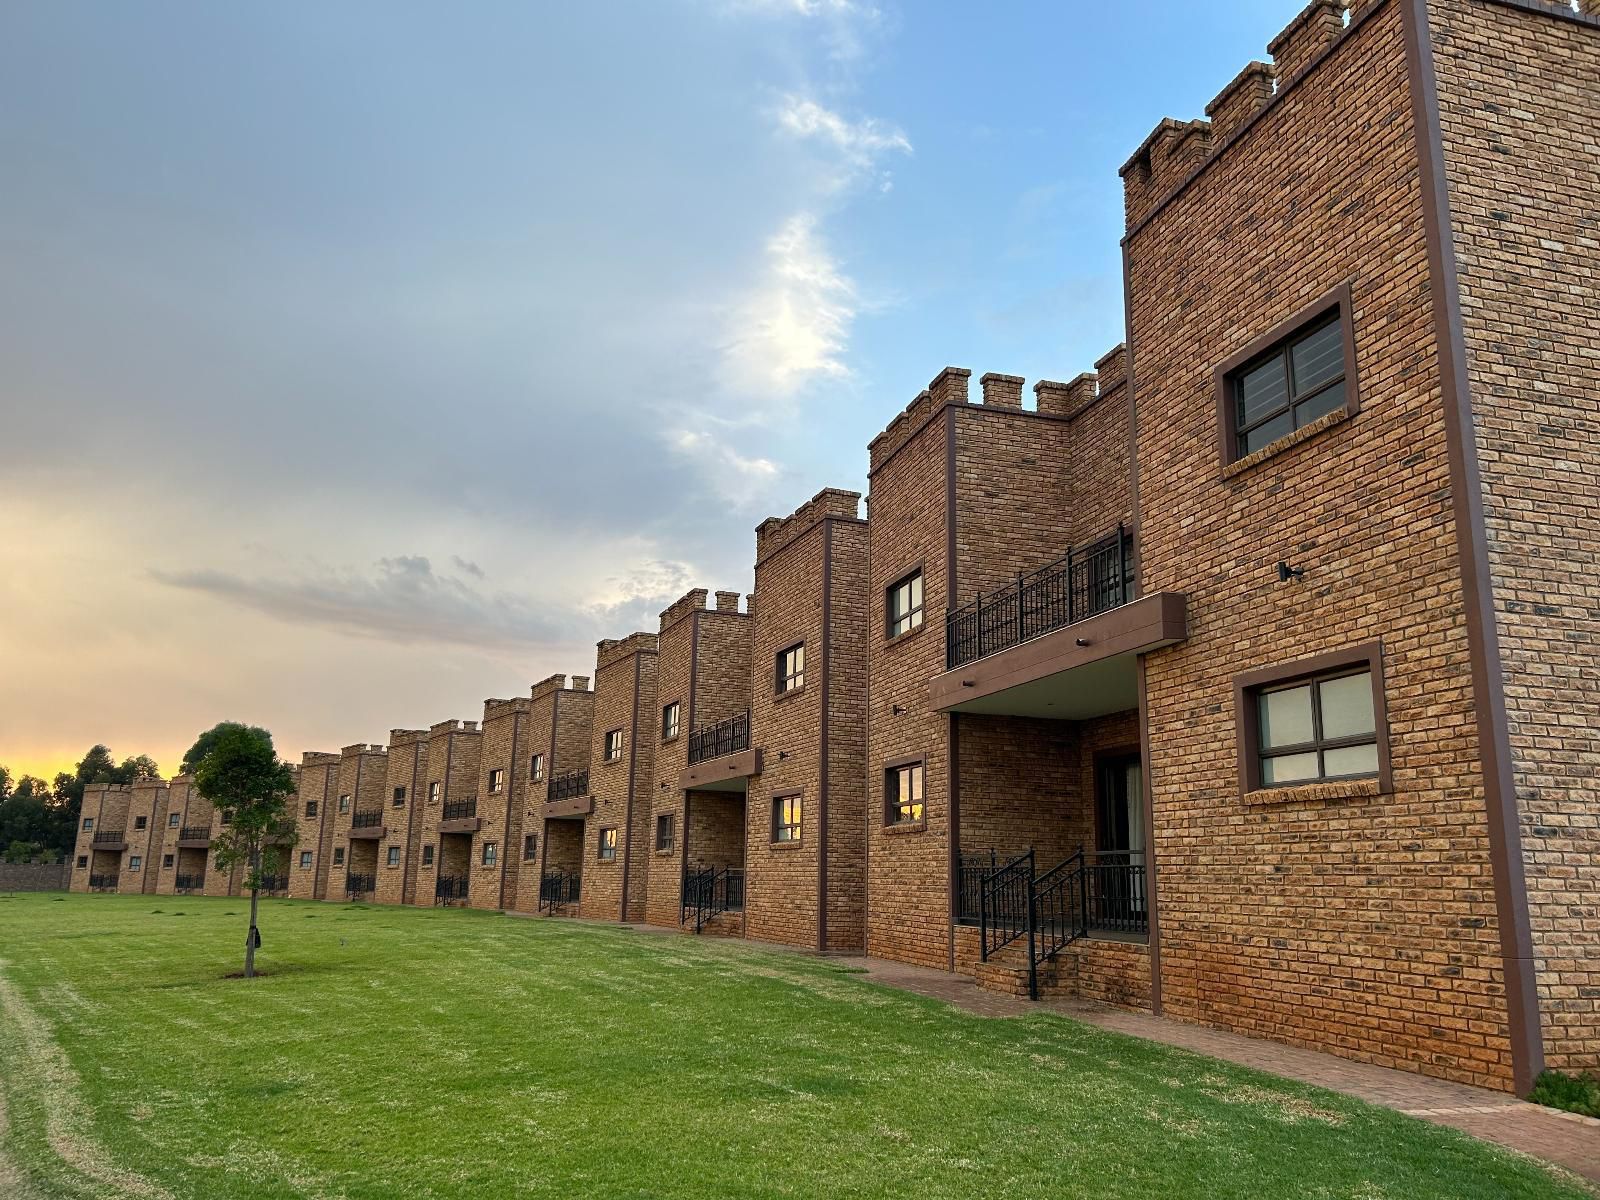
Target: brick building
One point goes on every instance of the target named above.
(102, 838)
(356, 824)
(310, 858)
(615, 854)
(399, 849)
(185, 840)
(556, 795)
(502, 787)
(446, 814)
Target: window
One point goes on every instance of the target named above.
(497, 780)
(903, 604)
(1297, 373)
(791, 673)
(670, 721)
(305, 860)
(489, 854)
(394, 856)
(1316, 721)
(399, 797)
(608, 844)
(427, 855)
(311, 808)
(139, 822)
(88, 824)
(536, 768)
(613, 745)
(903, 793)
(530, 847)
(166, 862)
(226, 819)
(83, 861)
(338, 856)
(344, 803)
(664, 831)
(786, 813)
(433, 792)
(134, 862)
(174, 820)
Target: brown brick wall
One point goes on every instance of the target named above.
(505, 738)
(625, 698)
(405, 767)
(319, 782)
(1519, 101)
(106, 805)
(36, 876)
(1364, 924)
(560, 727)
(191, 809)
(454, 753)
(362, 776)
(676, 671)
(147, 802)
(845, 806)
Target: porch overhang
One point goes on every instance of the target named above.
(374, 833)
(575, 806)
(461, 825)
(1083, 670)
(194, 843)
(726, 773)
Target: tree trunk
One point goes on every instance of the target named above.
(255, 894)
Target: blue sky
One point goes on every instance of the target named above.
(361, 361)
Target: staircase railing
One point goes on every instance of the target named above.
(355, 885)
(189, 883)
(1060, 911)
(103, 883)
(557, 889)
(450, 887)
(710, 892)
(1005, 912)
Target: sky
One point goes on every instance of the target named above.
(360, 362)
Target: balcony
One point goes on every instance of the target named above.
(721, 758)
(358, 885)
(367, 824)
(194, 837)
(568, 796)
(450, 888)
(1083, 583)
(111, 839)
(189, 883)
(1061, 643)
(274, 883)
(725, 737)
(460, 816)
(102, 883)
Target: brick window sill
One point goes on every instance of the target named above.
(785, 697)
(794, 845)
(1343, 789)
(900, 639)
(667, 853)
(1287, 442)
(909, 827)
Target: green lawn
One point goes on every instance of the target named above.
(407, 1052)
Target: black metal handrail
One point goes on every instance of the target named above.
(109, 837)
(354, 885)
(725, 737)
(710, 891)
(1086, 580)
(274, 883)
(557, 889)
(460, 810)
(103, 882)
(1115, 898)
(450, 887)
(1060, 912)
(366, 818)
(190, 883)
(194, 833)
(1004, 911)
(564, 787)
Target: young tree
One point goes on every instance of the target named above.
(236, 768)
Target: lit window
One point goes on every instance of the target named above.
(613, 745)
(488, 854)
(344, 803)
(497, 779)
(433, 792)
(903, 794)
(608, 844)
(903, 604)
(786, 814)
(536, 768)
(670, 721)
(791, 672)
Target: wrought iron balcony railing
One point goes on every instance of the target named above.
(450, 887)
(355, 885)
(460, 810)
(573, 783)
(725, 737)
(1085, 581)
(274, 883)
(195, 833)
(103, 882)
(366, 819)
(557, 889)
(109, 837)
(190, 883)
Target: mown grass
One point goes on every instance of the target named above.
(404, 1052)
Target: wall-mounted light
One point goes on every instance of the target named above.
(1083, 641)
(968, 683)
(782, 754)
(899, 711)
(1286, 572)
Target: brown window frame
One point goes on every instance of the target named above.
(344, 802)
(667, 822)
(427, 855)
(306, 860)
(530, 847)
(674, 709)
(891, 784)
(536, 769)
(392, 858)
(1334, 306)
(1248, 686)
(920, 611)
(786, 682)
(797, 825)
(83, 861)
(399, 797)
(601, 845)
(434, 788)
(489, 855)
(174, 820)
(338, 856)
(606, 752)
(166, 862)
(497, 780)
(311, 808)
(141, 822)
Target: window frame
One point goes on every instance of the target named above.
(602, 845)
(606, 754)
(83, 862)
(434, 788)
(920, 612)
(674, 710)
(174, 820)
(497, 780)
(135, 863)
(1334, 306)
(344, 802)
(338, 856)
(489, 855)
(399, 798)
(311, 809)
(392, 857)
(536, 769)
(1250, 685)
(779, 825)
(167, 862)
(784, 681)
(666, 821)
(141, 821)
(88, 825)
(530, 847)
(306, 860)
(891, 775)
(427, 854)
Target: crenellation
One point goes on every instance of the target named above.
(1001, 391)
(1312, 30)
(692, 601)
(1241, 100)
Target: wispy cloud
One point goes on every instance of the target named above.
(847, 24)
(743, 480)
(858, 144)
(402, 599)
(635, 598)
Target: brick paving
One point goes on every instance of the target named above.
(1568, 1140)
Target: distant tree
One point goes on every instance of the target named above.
(29, 824)
(134, 770)
(236, 768)
(65, 800)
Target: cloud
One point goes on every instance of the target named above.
(859, 144)
(740, 479)
(634, 599)
(846, 24)
(402, 600)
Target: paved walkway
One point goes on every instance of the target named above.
(1563, 1138)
